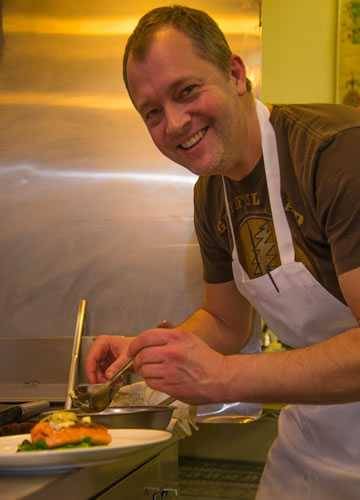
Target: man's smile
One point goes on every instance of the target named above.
(194, 140)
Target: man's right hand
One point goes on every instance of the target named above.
(107, 354)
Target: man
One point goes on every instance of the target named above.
(277, 215)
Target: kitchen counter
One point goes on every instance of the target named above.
(134, 476)
(233, 441)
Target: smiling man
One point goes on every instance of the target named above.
(277, 216)
(191, 108)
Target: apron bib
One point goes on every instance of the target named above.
(317, 453)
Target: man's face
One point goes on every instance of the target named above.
(189, 106)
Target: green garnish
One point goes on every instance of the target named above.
(85, 443)
(27, 445)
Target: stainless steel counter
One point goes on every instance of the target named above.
(130, 477)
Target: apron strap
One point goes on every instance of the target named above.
(244, 275)
(272, 172)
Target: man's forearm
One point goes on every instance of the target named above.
(215, 332)
(325, 373)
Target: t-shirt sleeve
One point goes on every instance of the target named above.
(338, 198)
(216, 259)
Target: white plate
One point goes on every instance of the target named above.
(124, 441)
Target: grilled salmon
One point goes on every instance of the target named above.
(66, 428)
(69, 435)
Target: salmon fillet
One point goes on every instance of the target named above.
(54, 438)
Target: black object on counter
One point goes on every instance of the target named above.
(23, 411)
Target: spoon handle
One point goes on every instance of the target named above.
(121, 372)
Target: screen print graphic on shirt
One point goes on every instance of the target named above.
(255, 232)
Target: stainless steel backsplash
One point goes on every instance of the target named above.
(89, 208)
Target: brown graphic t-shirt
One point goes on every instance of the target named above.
(319, 154)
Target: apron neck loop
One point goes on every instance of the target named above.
(272, 172)
(244, 275)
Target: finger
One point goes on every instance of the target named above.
(150, 355)
(100, 376)
(149, 338)
(97, 351)
(151, 371)
(92, 367)
(159, 384)
(91, 374)
(116, 366)
(102, 354)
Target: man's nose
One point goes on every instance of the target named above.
(177, 118)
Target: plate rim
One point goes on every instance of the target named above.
(66, 459)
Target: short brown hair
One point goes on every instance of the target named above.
(203, 31)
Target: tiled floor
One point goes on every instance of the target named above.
(218, 479)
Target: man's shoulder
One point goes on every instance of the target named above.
(320, 119)
(207, 186)
(208, 194)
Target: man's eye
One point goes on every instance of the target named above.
(187, 91)
(152, 114)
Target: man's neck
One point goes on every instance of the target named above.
(253, 152)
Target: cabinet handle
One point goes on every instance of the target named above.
(160, 493)
(151, 491)
(165, 492)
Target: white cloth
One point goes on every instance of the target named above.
(140, 394)
(316, 454)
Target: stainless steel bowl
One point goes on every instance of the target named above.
(130, 417)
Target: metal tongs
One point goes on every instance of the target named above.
(89, 397)
(97, 397)
(80, 320)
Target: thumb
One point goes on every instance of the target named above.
(115, 366)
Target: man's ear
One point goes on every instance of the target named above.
(238, 73)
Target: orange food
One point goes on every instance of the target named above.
(53, 437)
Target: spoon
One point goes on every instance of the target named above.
(97, 397)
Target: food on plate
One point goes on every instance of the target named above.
(65, 429)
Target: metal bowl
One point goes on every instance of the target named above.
(130, 417)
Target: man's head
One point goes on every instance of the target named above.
(206, 36)
(190, 90)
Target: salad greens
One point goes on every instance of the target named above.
(27, 445)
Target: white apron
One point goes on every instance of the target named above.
(316, 455)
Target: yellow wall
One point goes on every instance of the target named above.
(299, 50)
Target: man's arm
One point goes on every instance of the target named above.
(325, 373)
(225, 320)
(186, 368)
(224, 323)
(187, 361)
